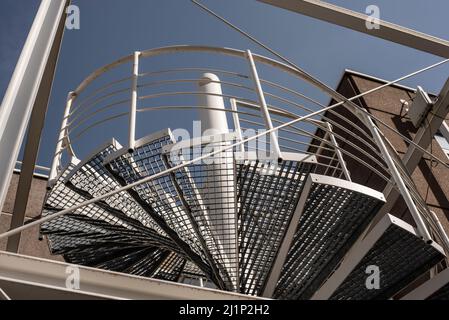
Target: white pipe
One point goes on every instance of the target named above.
(236, 118)
(63, 132)
(212, 96)
(133, 110)
(422, 229)
(20, 97)
(442, 231)
(338, 152)
(218, 192)
(274, 144)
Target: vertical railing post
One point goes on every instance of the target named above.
(441, 231)
(236, 119)
(338, 152)
(420, 224)
(134, 97)
(264, 108)
(62, 137)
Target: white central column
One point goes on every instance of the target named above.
(218, 190)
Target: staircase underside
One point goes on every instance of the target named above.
(241, 223)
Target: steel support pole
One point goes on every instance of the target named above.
(236, 119)
(134, 97)
(263, 107)
(443, 234)
(338, 152)
(24, 86)
(357, 21)
(4, 296)
(33, 139)
(422, 229)
(61, 138)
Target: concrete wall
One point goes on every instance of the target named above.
(30, 243)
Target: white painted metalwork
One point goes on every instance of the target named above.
(62, 142)
(214, 115)
(3, 295)
(16, 108)
(428, 288)
(47, 279)
(357, 21)
(411, 205)
(236, 120)
(133, 110)
(338, 152)
(263, 107)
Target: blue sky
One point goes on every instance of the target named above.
(115, 28)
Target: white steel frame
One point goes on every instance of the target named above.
(20, 97)
(100, 284)
(429, 287)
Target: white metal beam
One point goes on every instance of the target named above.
(33, 138)
(429, 287)
(357, 21)
(49, 278)
(23, 88)
(3, 295)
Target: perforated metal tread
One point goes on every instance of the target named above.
(393, 247)
(333, 214)
(401, 258)
(224, 221)
(267, 196)
(162, 198)
(99, 235)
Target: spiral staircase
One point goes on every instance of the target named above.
(292, 226)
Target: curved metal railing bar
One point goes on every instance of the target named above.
(161, 174)
(305, 133)
(75, 124)
(92, 95)
(164, 94)
(289, 68)
(174, 70)
(362, 162)
(95, 102)
(223, 83)
(334, 123)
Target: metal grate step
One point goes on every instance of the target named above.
(330, 216)
(128, 241)
(161, 198)
(267, 196)
(394, 248)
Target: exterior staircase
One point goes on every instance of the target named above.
(241, 224)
